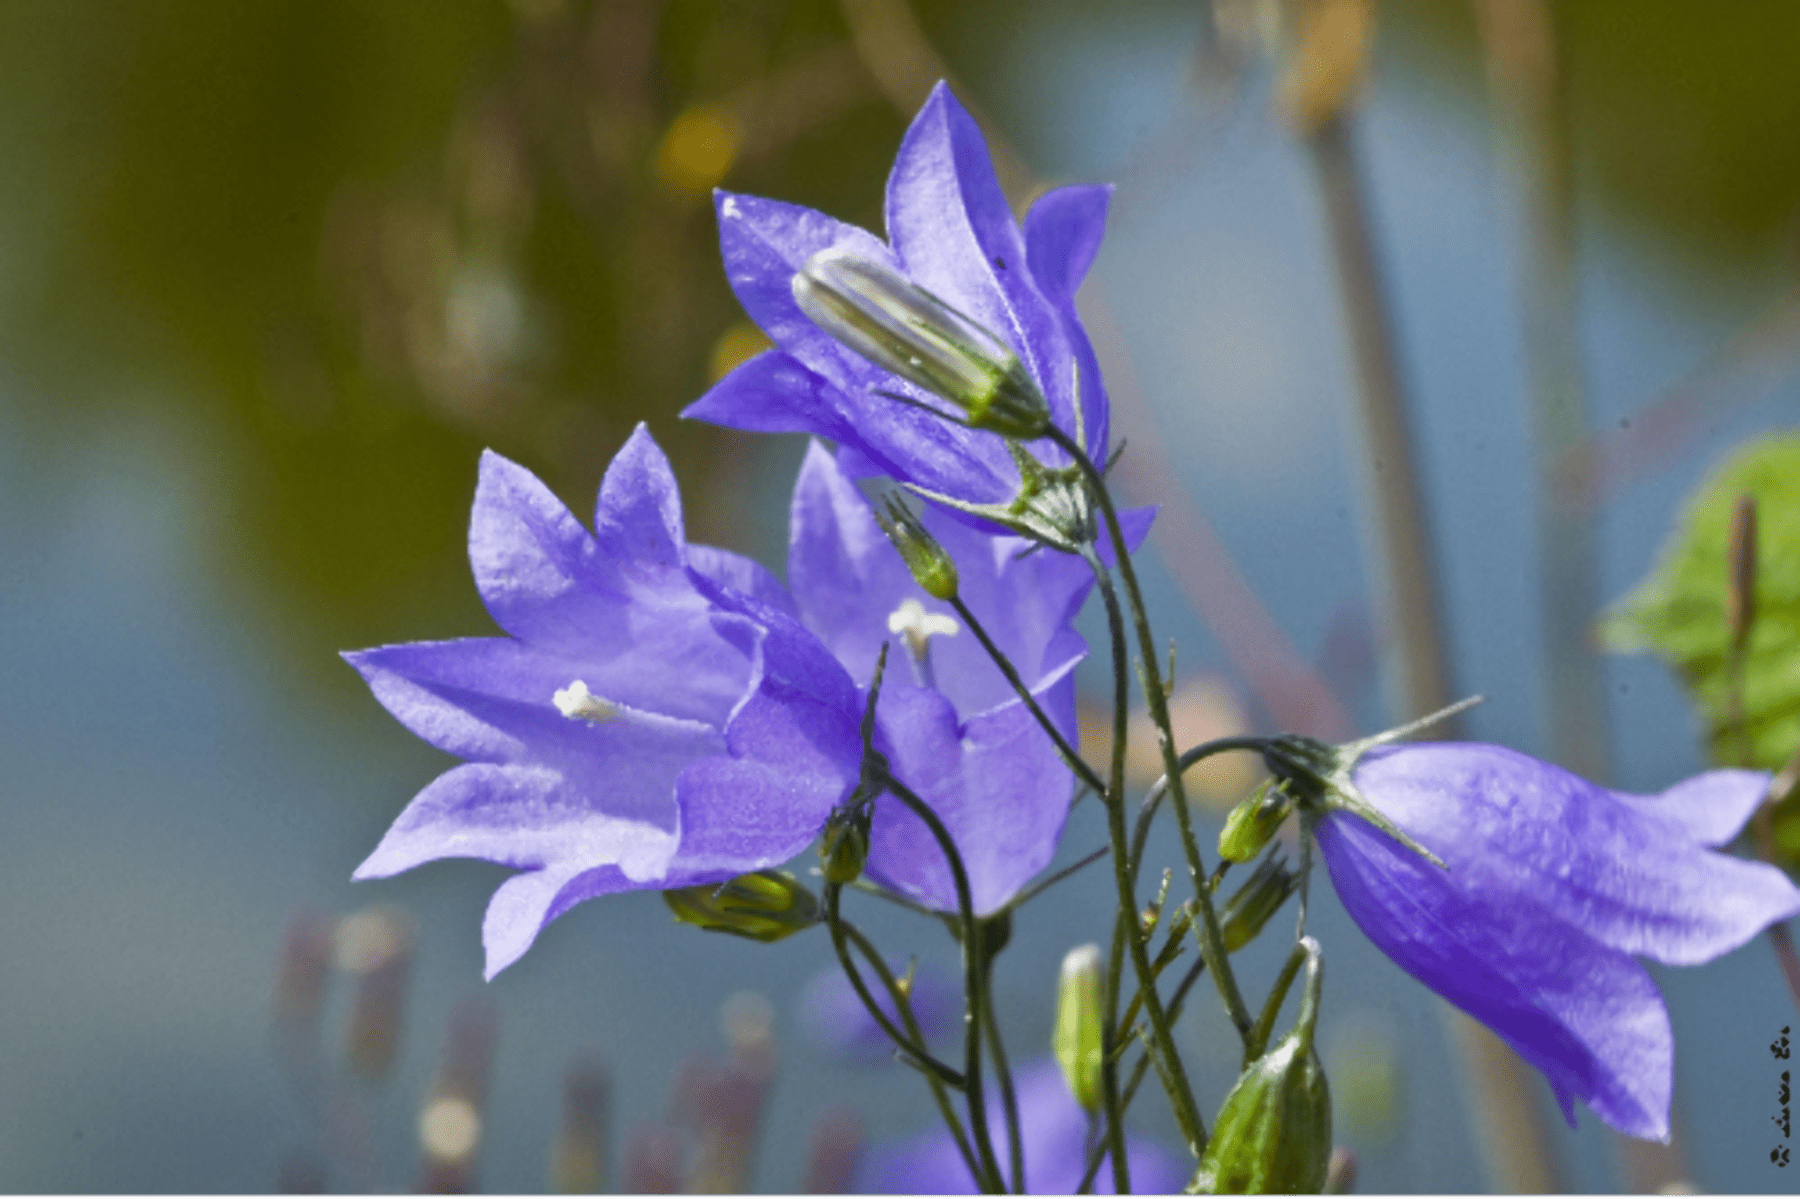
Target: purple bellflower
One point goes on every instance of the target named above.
(647, 723)
(950, 232)
(1054, 1134)
(1553, 886)
(953, 729)
(664, 715)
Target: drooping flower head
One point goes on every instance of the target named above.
(1054, 1137)
(952, 234)
(1553, 886)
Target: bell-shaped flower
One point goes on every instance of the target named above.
(653, 719)
(1054, 1135)
(950, 723)
(1550, 887)
(952, 234)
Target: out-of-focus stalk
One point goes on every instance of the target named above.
(1526, 82)
(1327, 53)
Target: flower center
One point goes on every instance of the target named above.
(916, 627)
(578, 703)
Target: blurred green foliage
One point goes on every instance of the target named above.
(341, 246)
(350, 244)
(1680, 612)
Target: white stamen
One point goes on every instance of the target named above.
(912, 621)
(578, 703)
(916, 627)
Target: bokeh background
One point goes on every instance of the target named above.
(272, 274)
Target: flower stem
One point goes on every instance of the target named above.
(937, 1075)
(1009, 1099)
(1082, 770)
(974, 975)
(1170, 1069)
(1212, 939)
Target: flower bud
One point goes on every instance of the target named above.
(904, 329)
(1253, 822)
(1076, 1040)
(932, 568)
(1273, 1133)
(844, 847)
(765, 906)
(1259, 898)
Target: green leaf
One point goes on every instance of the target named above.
(1678, 612)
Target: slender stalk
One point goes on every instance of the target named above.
(974, 972)
(1096, 1153)
(1009, 1099)
(1181, 1094)
(912, 1044)
(1114, 1141)
(1082, 770)
(1161, 787)
(1265, 1023)
(1212, 941)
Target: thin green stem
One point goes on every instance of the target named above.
(1170, 1068)
(974, 970)
(1160, 788)
(1265, 1023)
(912, 1044)
(1109, 1059)
(1082, 770)
(1212, 940)
(1009, 1099)
(1097, 1153)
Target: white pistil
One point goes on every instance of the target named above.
(578, 703)
(917, 627)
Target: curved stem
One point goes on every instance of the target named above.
(1009, 1099)
(1212, 940)
(1160, 788)
(914, 1045)
(1082, 770)
(1170, 1068)
(914, 1041)
(974, 970)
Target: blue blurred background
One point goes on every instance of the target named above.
(272, 275)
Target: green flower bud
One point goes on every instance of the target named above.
(765, 906)
(904, 329)
(1254, 821)
(844, 847)
(1273, 1133)
(931, 567)
(1076, 1041)
(1261, 896)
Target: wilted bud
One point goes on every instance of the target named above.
(1254, 821)
(904, 329)
(1273, 1133)
(1261, 896)
(1076, 1040)
(931, 567)
(844, 847)
(765, 906)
